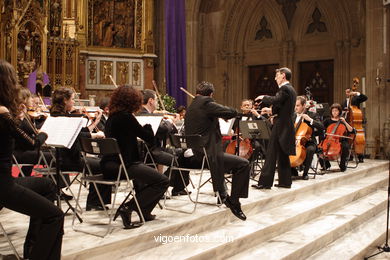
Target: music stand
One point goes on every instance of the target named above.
(258, 130)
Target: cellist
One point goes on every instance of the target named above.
(312, 120)
(354, 98)
(336, 116)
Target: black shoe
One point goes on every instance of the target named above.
(361, 160)
(125, 213)
(64, 196)
(235, 208)
(282, 186)
(95, 207)
(179, 193)
(305, 177)
(343, 169)
(260, 187)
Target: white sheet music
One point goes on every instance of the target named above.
(154, 121)
(226, 126)
(62, 131)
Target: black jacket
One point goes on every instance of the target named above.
(283, 104)
(356, 100)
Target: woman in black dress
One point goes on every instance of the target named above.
(124, 127)
(28, 196)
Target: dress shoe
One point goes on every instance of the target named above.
(180, 193)
(65, 196)
(361, 160)
(95, 207)
(305, 177)
(235, 208)
(260, 187)
(282, 186)
(125, 213)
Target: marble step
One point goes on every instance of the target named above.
(360, 242)
(121, 243)
(304, 240)
(265, 225)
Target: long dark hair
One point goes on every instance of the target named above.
(9, 90)
(125, 98)
(58, 100)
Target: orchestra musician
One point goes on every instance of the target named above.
(312, 120)
(29, 196)
(282, 140)
(202, 119)
(354, 98)
(160, 155)
(24, 154)
(62, 105)
(124, 127)
(336, 116)
(103, 105)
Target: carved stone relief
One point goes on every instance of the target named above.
(263, 31)
(92, 66)
(105, 72)
(136, 73)
(122, 73)
(316, 24)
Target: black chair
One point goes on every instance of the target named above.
(186, 142)
(100, 147)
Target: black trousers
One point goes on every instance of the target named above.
(31, 196)
(238, 166)
(165, 158)
(275, 154)
(153, 183)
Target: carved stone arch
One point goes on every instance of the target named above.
(333, 14)
(276, 23)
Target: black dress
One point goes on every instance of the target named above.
(44, 238)
(124, 127)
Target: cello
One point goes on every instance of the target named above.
(355, 119)
(303, 133)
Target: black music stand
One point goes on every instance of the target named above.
(256, 130)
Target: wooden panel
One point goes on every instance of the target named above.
(262, 80)
(318, 77)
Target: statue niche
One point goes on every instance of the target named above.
(111, 23)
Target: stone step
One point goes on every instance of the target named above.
(358, 243)
(206, 218)
(266, 224)
(304, 240)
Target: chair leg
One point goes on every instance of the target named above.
(9, 242)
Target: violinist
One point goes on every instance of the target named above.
(24, 154)
(62, 105)
(329, 123)
(29, 196)
(103, 105)
(312, 120)
(161, 155)
(355, 98)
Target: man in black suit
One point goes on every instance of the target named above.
(202, 119)
(311, 119)
(354, 98)
(282, 140)
(103, 105)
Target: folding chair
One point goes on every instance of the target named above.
(189, 142)
(101, 147)
(9, 240)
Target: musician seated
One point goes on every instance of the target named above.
(329, 124)
(25, 154)
(312, 120)
(62, 105)
(103, 105)
(162, 156)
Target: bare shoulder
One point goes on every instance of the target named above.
(3, 109)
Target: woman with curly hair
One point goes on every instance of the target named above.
(29, 196)
(124, 127)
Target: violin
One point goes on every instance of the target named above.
(303, 133)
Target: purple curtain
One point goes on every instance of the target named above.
(175, 42)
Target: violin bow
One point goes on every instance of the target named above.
(158, 94)
(188, 93)
(113, 81)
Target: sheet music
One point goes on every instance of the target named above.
(154, 121)
(226, 126)
(62, 131)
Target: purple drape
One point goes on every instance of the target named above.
(32, 79)
(175, 42)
